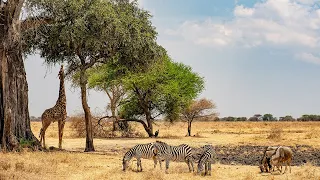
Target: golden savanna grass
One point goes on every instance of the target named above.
(105, 163)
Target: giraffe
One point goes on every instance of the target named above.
(57, 113)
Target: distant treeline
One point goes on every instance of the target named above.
(256, 117)
(269, 117)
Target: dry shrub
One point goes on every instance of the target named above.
(4, 165)
(275, 134)
(154, 175)
(313, 133)
(249, 176)
(199, 135)
(99, 131)
(19, 166)
(169, 136)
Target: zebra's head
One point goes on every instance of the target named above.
(125, 163)
(200, 167)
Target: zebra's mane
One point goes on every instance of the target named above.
(160, 142)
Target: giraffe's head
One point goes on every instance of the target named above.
(61, 73)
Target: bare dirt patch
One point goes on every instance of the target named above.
(251, 155)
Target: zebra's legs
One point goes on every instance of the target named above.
(167, 166)
(191, 162)
(188, 162)
(139, 165)
(209, 169)
(205, 168)
(155, 161)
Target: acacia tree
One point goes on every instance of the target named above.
(162, 90)
(197, 109)
(108, 80)
(14, 112)
(85, 33)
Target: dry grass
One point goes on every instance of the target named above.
(106, 162)
(275, 134)
(61, 165)
(313, 134)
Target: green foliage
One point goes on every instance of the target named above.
(309, 117)
(287, 118)
(164, 89)
(230, 118)
(100, 77)
(26, 143)
(268, 117)
(85, 32)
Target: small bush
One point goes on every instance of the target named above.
(199, 135)
(19, 166)
(250, 176)
(169, 136)
(24, 143)
(275, 134)
(5, 165)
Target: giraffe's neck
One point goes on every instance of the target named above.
(62, 93)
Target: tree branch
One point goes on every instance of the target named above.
(34, 22)
(124, 120)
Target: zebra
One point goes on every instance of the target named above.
(207, 158)
(198, 152)
(181, 153)
(145, 151)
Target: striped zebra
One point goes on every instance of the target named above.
(197, 153)
(181, 153)
(145, 151)
(207, 158)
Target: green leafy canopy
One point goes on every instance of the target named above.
(166, 87)
(87, 32)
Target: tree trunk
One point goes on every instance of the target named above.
(189, 128)
(87, 114)
(113, 112)
(149, 129)
(145, 126)
(14, 111)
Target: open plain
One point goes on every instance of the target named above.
(239, 146)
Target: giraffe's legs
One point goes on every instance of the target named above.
(60, 126)
(45, 125)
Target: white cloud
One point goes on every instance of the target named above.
(308, 57)
(286, 24)
(243, 11)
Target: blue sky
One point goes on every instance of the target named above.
(255, 56)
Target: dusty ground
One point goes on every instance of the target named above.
(250, 155)
(239, 146)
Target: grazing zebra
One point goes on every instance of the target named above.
(197, 153)
(145, 151)
(207, 158)
(181, 153)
